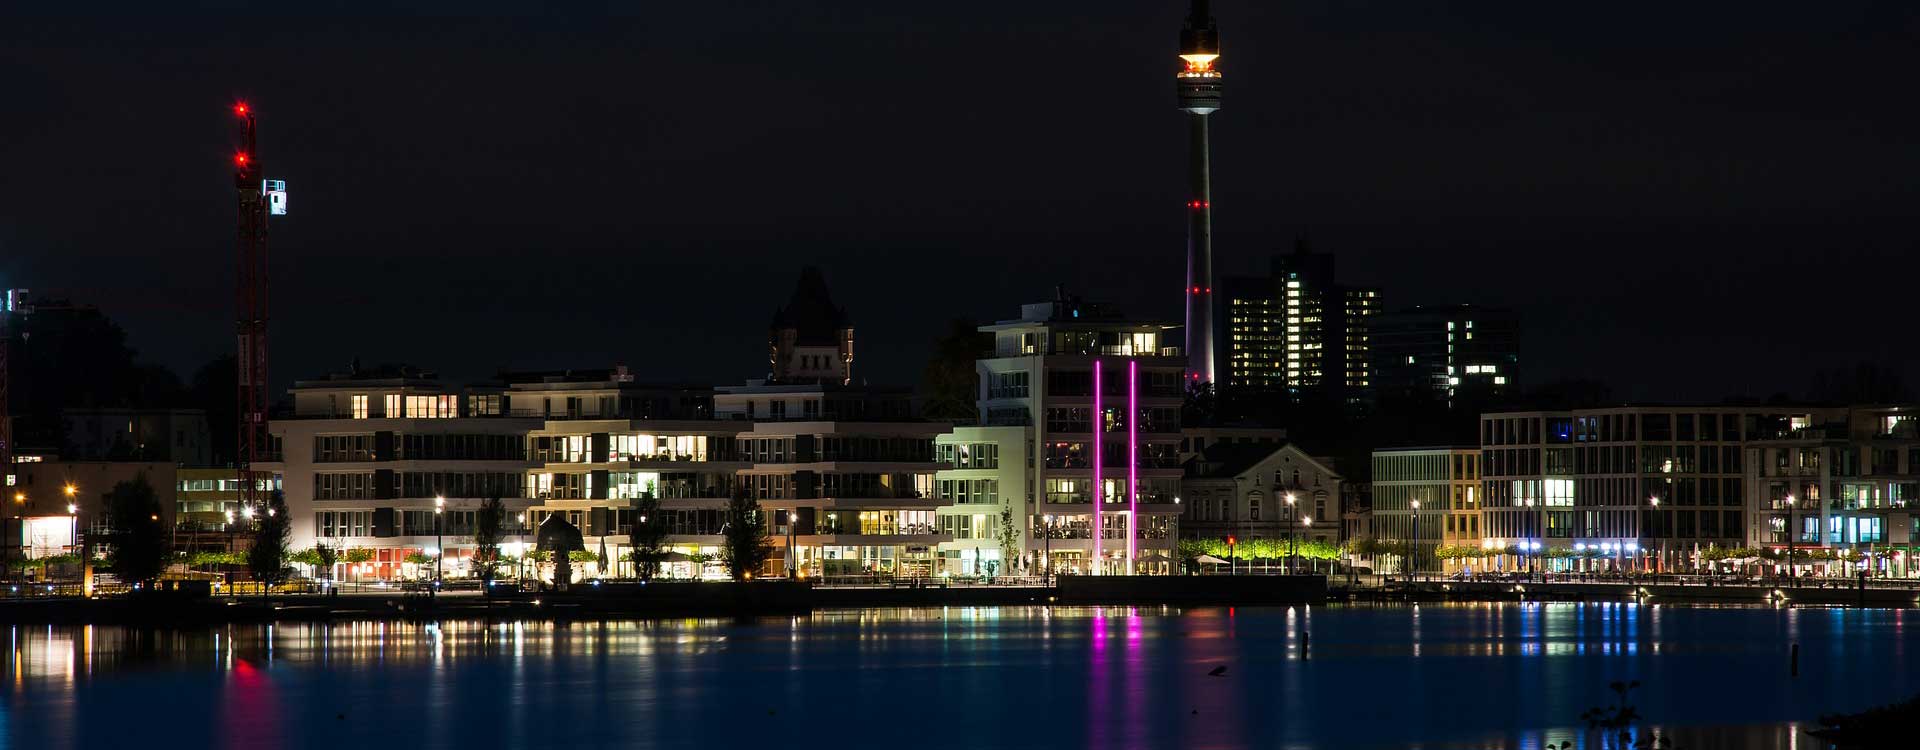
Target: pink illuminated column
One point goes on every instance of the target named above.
(1133, 459)
(1099, 492)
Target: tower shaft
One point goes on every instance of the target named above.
(1198, 85)
(1200, 307)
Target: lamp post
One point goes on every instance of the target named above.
(1791, 531)
(439, 532)
(1306, 523)
(1046, 547)
(19, 517)
(1660, 534)
(1413, 543)
(1290, 521)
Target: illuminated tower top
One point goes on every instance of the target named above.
(1199, 80)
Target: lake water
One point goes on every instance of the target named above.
(1431, 676)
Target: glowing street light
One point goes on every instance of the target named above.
(439, 530)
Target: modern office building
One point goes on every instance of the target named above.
(1100, 397)
(1441, 352)
(1260, 491)
(1845, 480)
(1299, 330)
(1643, 485)
(1445, 483)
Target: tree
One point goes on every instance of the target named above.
(744, 544)
(487, 522)
(212, 389)
(1009, 537)
(649, 536)
(325, 558)
(138, 537)
(950, 380)
(267, 560)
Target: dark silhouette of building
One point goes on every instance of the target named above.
(1447, 352)
(811, 339)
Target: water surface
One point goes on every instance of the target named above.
(1432, 676)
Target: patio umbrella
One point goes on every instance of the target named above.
(603, 556)
(676, 557)
(1211, 560)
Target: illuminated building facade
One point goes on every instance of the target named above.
(1099, 397)
(396, 461)
(1254, 491)
(1445, 483)
(844, 476)
(1587, 480)
(1853, 476)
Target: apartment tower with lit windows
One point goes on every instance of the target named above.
(1300, 332)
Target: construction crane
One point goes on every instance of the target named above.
(259, 198)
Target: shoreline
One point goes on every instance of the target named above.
(710, 599)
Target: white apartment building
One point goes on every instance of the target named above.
(1099, 397)
(367, 458)
(988, 474)
(845, 476)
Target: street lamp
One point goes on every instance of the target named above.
(1659, 532)
(1290, 548)
(1413, 545)
(439, 531)
(1046, 546)
(1306, 523)
(1791, 532)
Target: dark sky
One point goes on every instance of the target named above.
(1689, 200)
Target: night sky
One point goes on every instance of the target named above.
(1688, 200)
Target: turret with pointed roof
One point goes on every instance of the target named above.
(810, 339)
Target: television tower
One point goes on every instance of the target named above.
(259, 198)
(1199, 87)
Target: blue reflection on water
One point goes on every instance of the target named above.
(1494, 675)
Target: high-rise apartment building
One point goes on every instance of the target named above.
(1300, 331)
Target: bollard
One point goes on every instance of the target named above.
(1794, 661)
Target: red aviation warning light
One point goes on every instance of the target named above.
(240, 159)
(241, 109)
